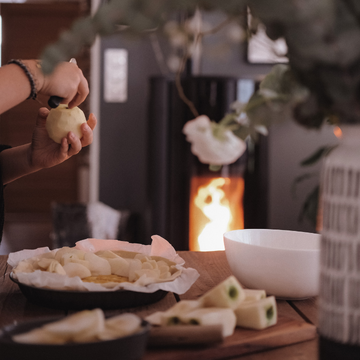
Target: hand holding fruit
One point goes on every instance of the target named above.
(61, 120)
(44, 152)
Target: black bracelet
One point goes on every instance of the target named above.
(33, 92)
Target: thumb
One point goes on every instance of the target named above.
(42, 116)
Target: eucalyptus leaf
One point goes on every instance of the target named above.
(310, 208)
(292, 12)
(323, 39)
(354, 6)
(242, 132)
(300, 179)
(233, 7)
(317, 155)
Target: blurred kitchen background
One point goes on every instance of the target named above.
(118, 170)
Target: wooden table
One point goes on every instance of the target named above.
(213, 268)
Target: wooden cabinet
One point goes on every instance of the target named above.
(26, 29)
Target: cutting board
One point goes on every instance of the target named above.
(287, 331)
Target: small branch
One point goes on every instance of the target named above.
(179, 87)
(197, 39)
(158, 53)
(218, 27)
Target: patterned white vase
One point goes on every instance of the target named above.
(339, 300)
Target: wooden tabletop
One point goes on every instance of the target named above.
(293, 338)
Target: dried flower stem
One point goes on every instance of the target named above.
(198, 38)
(179, 87)
(158, 53)
(218, 27)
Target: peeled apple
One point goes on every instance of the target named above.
(61, 120)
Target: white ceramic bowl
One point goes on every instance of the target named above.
(284, 263)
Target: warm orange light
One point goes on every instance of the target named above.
(337, 132)
(215, 207)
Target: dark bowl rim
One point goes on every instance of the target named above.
(11, 329)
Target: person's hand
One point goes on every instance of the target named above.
(66, 81)
(45, 153)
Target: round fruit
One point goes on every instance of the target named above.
(61, 120)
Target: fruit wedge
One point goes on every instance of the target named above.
(254, 294)
(227, 294)
(258, 314)
(173, 315)
(212, 316)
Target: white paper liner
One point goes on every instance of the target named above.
(158, 247)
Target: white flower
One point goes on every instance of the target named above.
(209, 149)
(178, 40)
(235, 33)
(196, 25)
(171, 27)
(261, 129)
(173, 62)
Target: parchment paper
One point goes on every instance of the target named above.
(158, 247)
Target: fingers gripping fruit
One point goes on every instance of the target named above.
(61, 120)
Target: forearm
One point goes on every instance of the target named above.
(14, 85)
(16, 162)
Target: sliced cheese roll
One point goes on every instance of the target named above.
(258, 314)
(227, 294)
(254, 294)
(212, 316)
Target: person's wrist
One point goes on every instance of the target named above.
(34, 67)
(32, 166)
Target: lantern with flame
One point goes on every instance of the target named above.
(192, 206)
(215, 207)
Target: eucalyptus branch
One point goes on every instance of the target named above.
(180, 89)
(218, 27)
(227, 119)
(214, 30)
(253, 104)
(197, 39)
(158, 53)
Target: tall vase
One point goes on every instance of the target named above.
(339, 299)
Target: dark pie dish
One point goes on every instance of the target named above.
(80, 300)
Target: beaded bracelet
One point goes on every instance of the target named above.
(33, 92)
